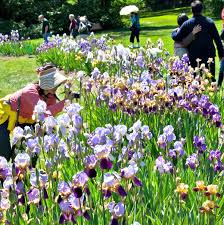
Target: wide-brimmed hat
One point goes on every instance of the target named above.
(51, 78)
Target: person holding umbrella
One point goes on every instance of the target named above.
(135, 25)
(135, 29)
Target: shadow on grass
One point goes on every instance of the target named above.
(124, 31)
(176, 11)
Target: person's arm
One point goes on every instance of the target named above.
(56, 108)
(46, 28)
(30, 98)
(186, 41)
(70, 27)
(181, 33)
(217, 39)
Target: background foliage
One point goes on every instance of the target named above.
(24, 18)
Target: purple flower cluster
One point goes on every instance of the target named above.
(163, 166)
(147, 92)
(167, 137)
(178, 149)
(192, 161)
(199, 143)
(215, 157)
(13, 37)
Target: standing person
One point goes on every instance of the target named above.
(222, 17)
(221, 73)
(84, 27)
(135, 29)
(180, 48)
(45, 27)
(73, 27)
(17, 108)
(202, 46)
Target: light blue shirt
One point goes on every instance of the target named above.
(135, 21)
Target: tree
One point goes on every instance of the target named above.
(214, 7)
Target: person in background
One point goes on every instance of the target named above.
(45, 28)
(202, 47)
(222, 17)
(221, 68)
(84, 27)
(17, 109)
(135, 29)
(73, 27)
(221, 73)
(180, 48)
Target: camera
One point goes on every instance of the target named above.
(75, 95)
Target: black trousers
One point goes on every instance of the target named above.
(5, 146)
(134, 33)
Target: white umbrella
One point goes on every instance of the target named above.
(128, 10)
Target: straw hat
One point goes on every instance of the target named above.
(50, 79)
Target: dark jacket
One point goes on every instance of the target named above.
(202, 46)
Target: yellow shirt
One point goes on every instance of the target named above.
(6, 113)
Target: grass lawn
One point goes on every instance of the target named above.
(16, 72)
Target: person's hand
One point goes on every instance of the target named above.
(196, 29)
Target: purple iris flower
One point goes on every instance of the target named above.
(95, 73)
(172, 153)
(199, 143)
(105, 164)
(80, 179)
(5, 168)
(43, 178)
(63, 149)
(218, 166)
(67, 212)
(140, 61)
(39, 111)
(33, 195)
(119, 132)
(33, 145)
(77, 121)
(192, 161)
(185, 59)
(22, 161)
(168, 131)
(162, 141)
(90, 163)
(64, 188)
(8, 183)
(17, 135)
(215, 154)
(76, 203)
(73, 109)
(216, 118)
(50, 123)
(48, 165)
(119, 209)
(4, 204)
(20, 188)
(162, 166)
(178, 150)
(146, 134)
(50, 141)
